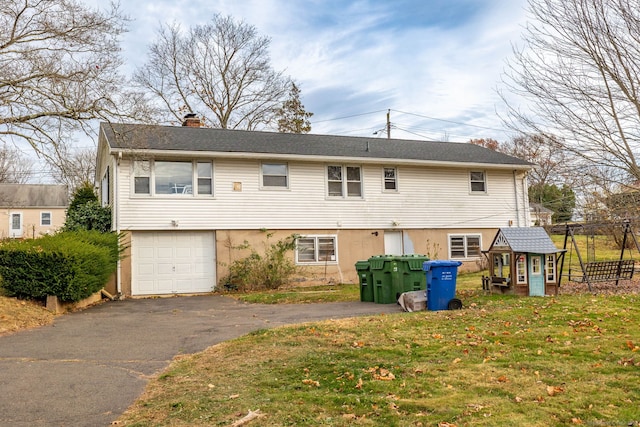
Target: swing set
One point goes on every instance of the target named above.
(598, 271)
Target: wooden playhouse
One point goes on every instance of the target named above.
(523, 261)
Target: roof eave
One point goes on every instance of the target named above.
(317, 158)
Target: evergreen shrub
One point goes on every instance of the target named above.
(69, 265)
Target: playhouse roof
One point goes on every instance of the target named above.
(525, 240)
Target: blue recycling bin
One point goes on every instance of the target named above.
(441, 283)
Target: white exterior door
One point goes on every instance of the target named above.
(393, 243)
(173, 262)
(15, 224)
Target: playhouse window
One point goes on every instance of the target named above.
(551, 268)
(521, 269)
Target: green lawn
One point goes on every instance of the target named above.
(500, 361)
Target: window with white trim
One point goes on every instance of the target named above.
(163, 177)
(390, 179)
(173, 177)
(536, 266)
(316, 250)
(205, 178)
(142, 177)
(104, 188)
(463, 246)
(275, 175)
(45, 218)
(551, 268)
(343, 180)
(478, 181)
(521, 269)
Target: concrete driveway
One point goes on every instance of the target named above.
(88, 367)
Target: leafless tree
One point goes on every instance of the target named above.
(15, 168)
(59, 65)
(220, 71)
(72, 166)
(579, 74)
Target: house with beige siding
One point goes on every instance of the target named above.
(188, 196)
(31, 210)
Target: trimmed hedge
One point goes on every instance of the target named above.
(70, 265)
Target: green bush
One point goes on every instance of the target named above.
(262, 271)
(69, 265)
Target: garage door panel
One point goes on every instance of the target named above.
(173, 262)
(164, 268)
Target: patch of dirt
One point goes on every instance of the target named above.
(16, 315)
(601, 288)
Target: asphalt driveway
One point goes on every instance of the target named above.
(88, 367)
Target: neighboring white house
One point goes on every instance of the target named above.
(540, 216)
(31, 210)
(188, 196)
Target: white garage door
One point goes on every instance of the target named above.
(172, 262)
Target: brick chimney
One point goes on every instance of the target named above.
(191, 120)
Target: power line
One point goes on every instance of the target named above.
(346, 117)
(450, 121)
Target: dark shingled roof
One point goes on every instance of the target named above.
(183, 138)
(33, 196)
(529, 240)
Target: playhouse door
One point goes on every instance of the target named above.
(536, 276)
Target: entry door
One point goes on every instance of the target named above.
(393, 243)
(536, 275)
(15, 224)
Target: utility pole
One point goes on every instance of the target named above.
(388, 124)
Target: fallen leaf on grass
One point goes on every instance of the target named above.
(349, 416)
(311, 382)
(553, 390)
(576, 421)
(518, 399)
(503, 379)
(359, 385)
(234, 396)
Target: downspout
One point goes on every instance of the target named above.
(525, 198)
(515, 191)
(116, 221)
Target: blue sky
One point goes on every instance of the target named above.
(435, 63)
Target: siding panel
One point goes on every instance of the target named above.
(426, 198)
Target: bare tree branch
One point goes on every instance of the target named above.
(579, 74)
(220, 70)
(59, 65)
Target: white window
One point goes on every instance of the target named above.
(141, 176)
(104, 189)
(551, 268)
(316, 249)
(462, 246)
(45, 218)
(478, 182)
(173, 177)
(275, 175)
(390, 179)
(521, 269)
(205, 178)
(163, 177)
(343, 180)
(536, 268)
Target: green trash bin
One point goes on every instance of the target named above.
(412, 277)
(384, 272)
(394, 275)
(366, 281)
